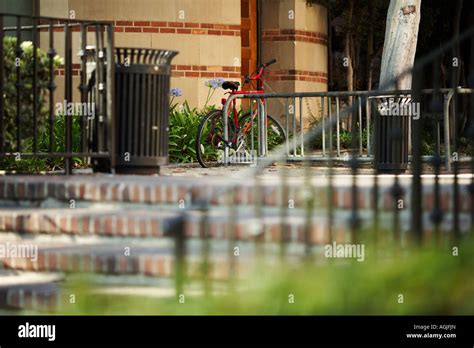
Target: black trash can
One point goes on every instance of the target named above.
(392, 132)
(142, 85)
(141, 103)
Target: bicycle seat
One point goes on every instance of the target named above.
(233, 86)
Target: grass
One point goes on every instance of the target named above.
(431, 280)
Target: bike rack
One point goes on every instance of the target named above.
(329, 120)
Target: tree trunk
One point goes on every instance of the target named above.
(401, 36)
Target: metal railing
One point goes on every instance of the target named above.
(364, 112)
(42, 116)
(396, 207)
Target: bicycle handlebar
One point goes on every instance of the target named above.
(270, 62)
(257, 75)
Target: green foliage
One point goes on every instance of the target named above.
(26, 67)
(431, 279)
(28, 165)
(25, 64)
(184, 124)
(345, 139)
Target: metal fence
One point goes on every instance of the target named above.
(365, 111)
(43, 115)
(446, 219)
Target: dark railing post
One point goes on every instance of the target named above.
(83, 85)
(35, 86)
(416, 201)
(110, 90)
(2, 114)
(51, 86)
(354, 164)
(206, 267)
(436, 108)
(68, 119)
(180, 260)
(18, 85)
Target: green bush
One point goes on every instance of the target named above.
(184, 124)
(25, 63)
(345, 137)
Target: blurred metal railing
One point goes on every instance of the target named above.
(407, 222)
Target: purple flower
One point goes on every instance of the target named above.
(214, 83)
(176, 92)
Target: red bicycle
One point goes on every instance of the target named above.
(242, 131)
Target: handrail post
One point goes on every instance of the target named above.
(447, 146)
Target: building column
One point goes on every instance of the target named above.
(295, 34)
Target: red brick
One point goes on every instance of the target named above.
(168, 30)
(183, 31)
(148, 265)
(159, 24)
(192, 74)
(133, 30)
(160, 263)
(75, 225)
(97, 225)
(123, 23)
(157, 194)
(143, 227)
(64, 262)
(141, 23)
(108, 226)
(136, 193)
(151, 30)
(155, 228)
(214, 32)
(131, 227)
(199, 32)
(208, 74)
(52, 261)
(183, 67)
(191, 25)
(176, 24)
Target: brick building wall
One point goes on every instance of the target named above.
(215, 38)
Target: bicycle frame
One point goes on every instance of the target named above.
(258, 76)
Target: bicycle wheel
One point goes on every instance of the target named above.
(275, 133)
(210, 143)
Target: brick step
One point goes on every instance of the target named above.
(186, 191)
(222, 223)
(29, 290)
(156, 260)
(106, 221)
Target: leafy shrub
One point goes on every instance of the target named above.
(26, 92)
(345, 137)
(47, 164)
(184, 124)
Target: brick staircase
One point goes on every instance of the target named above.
(126, 226)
